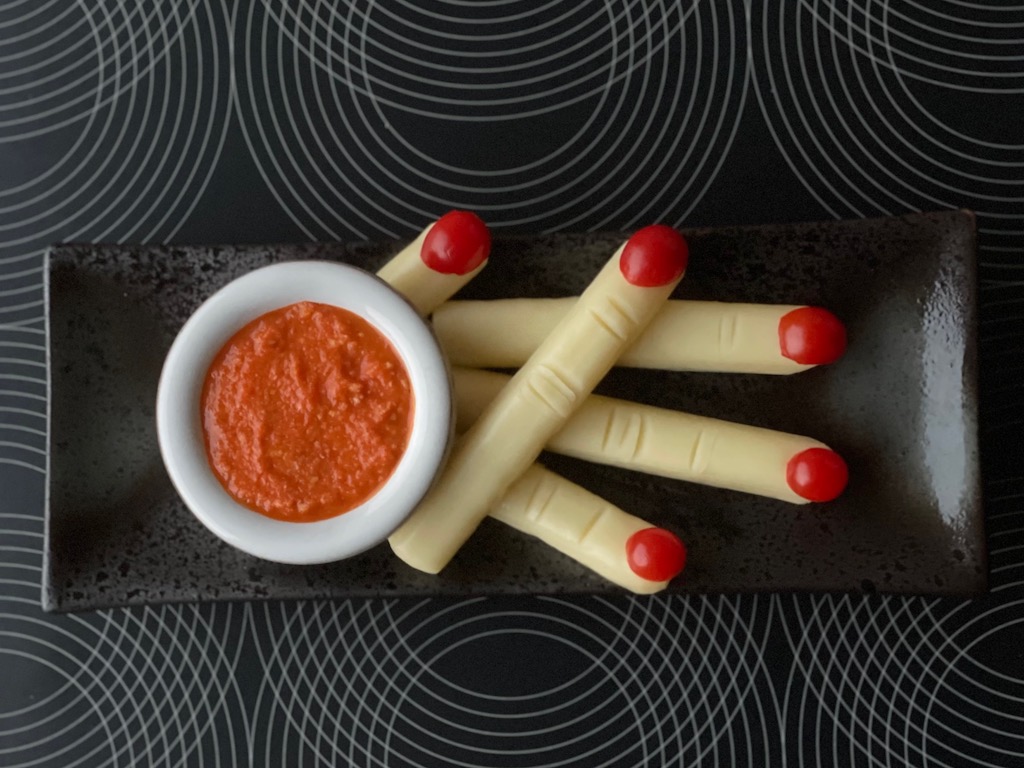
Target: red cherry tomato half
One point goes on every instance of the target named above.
(654, 256)
(458, 243)
(817, 474)
(655, 554)
(812, 336)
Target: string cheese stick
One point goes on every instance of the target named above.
(613, 545)
(443, 258)
(684, 336)
(571, 519)
(678, 445)
(512, 431)
(590, 530)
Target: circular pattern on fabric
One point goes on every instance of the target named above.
(126, 110)
(903, 682)
(1004, 521)
(374, 120)
(872, 105)
(639, 682)
(116, 689)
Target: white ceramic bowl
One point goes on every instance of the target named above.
(179, 420)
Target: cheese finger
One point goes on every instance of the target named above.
(616, 545)
(512, 431)
(443, 258)
(684, 336)
(569, 518)
(678, 445)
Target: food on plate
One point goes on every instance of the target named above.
(683, 446)
(614, 544)
(443, 258)
(553, 382)
(684, 336)
(564, 516)
(306, 412)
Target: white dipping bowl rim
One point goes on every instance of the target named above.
(179, 420)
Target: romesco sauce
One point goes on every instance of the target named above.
(306, 412)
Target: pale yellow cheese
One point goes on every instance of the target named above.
(512, 431)
(684, 336)
(424, 288)
(569, 518)
(658, 441)
(575, 522)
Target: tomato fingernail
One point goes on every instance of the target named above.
(458, 243)
(812, 336)
(654, 256)
(655, 554)
(817, 474)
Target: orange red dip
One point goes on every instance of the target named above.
(306, 412)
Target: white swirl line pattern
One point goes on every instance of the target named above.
(841, 95)
(133, 161)
(369, 119)
(907, 686)
(628, 669)
(358, 172)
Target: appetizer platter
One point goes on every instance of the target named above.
(716, 437)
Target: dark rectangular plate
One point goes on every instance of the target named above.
(901, 407)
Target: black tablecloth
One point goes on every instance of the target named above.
(249, 121)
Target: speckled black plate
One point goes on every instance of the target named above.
(901, 407)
